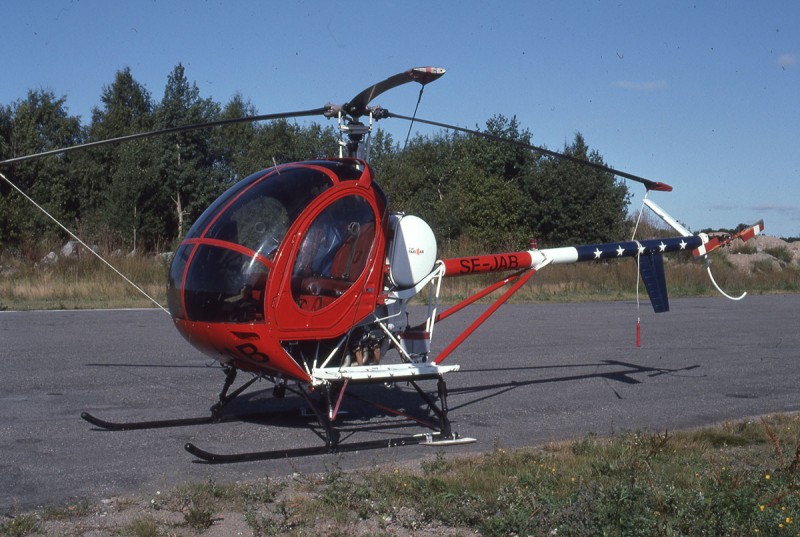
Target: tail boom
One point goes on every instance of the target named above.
(463, 266)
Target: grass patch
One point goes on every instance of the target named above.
(22, 525)
(81, 283)
(781, 253)
(67, 512)
(732, 480)
(738, 478)
(84, 282)
(145, 526)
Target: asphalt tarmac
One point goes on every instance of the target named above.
(531, 374)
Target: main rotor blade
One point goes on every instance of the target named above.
(357, 107)
(183, 128)
(649, 185)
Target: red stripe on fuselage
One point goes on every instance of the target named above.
(462, 266)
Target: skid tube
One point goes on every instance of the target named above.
(432, 439)
(185, 422)
(216, 410)
(442, 437)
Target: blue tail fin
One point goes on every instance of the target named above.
(651, 268)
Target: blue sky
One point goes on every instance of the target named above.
(704, 96)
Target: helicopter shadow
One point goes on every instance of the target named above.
(365, 408)
(621, 372)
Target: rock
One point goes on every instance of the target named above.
(49, 259)
(762, 244)
(794, 248)
(70, 249)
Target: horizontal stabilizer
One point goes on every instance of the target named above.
(652, 270)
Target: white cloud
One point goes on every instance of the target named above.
(776, 207)
(651, 85)
(787, 60)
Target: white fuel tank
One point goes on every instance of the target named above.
(412, 253)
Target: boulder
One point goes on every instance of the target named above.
(70, 249)
(48, 260)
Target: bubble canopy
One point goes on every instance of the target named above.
(303, 239)
(233, 244)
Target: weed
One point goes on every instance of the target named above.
(261, 492)
(438, 465)
(199, 501)
(345, 495)
(766, 266)
(22, 525)
(144, 527)
(199, 517)
(270, 524)
(781, 253)
(745, 248)
(75, 510)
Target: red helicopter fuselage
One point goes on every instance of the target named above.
(289, 255)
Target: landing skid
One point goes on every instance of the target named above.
(426, 439)
(184, 422)
(324, 408)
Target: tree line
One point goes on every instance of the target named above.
(146, 193)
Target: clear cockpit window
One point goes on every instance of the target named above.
(224, 286)
(260, 217)
(333, 253)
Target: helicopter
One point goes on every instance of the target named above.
(301, 275)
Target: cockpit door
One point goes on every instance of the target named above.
(333, 274)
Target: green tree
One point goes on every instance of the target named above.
(9, 200)
(570, 203)
(465, 186)
(6, 119)
(504, 159)
(281, 141)
(317, 142)
(382, 156)
(188, 167)
(237, 141)
(40, 123)
(117, 175)
(420, 180)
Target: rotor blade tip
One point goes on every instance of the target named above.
(661, 187)
(425, 75)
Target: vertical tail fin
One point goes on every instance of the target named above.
(651, 268)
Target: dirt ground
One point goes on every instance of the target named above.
(170, 513)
